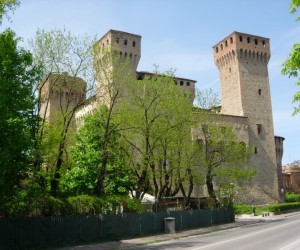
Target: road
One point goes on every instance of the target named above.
(281, 233)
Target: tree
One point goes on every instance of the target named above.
(88, 153)
(113, 75)
(155, 117)
(5, 6)
(68, 77)
(18, 76)
(221, 156)
(291, 66)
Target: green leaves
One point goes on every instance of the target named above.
(17, 102)
(291, 66)
(91, 148)
(6, 5)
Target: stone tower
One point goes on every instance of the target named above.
(124, 52)
(59, 93)
(242, 61)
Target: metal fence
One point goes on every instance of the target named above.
(38, 232)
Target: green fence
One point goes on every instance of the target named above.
(38, 232)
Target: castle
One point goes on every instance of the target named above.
(242, 60)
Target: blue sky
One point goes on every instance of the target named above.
(179, 34)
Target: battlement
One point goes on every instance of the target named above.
(242, 45)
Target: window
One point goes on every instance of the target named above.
(221, 46)
(217, 49)
(226, 43)
(120, 53)
(125, 54)
(241, 38)
(130, 56)
(231, 40)
(248, 39)
(187, 83)
(181, 83)
(263, 43)
(125, 42)
(259, 91)
(229, 70)
(107, 41)
(255, 150)
(117, 40)
(255, 41)
(259, 129)
(133, 44)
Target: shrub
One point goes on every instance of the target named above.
(243, 209)
(283, 207)
(85, 204)
(292, 197)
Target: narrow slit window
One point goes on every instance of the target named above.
(259, 91)
(259, 129)
(255, 150)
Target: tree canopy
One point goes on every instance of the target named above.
(18, 75)
(291, 66)
(7, 5)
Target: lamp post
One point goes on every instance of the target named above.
(282, 194)
(231, 195)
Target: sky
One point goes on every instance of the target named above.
(179, 34)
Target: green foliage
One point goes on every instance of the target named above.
(60, 51)
(32, 201)
(222, 158)
(7, 5)
(84, 204)
(292, 197)
(17, 121)
(88, 155)
(243, 209)
(291, 66)
(284, 207)
(156, 122)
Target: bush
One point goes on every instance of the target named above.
(243, 209)
(85, 204)
(292, 197)
(283, 207)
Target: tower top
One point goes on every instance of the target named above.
(242, 43)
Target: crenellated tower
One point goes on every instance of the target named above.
(117, 55)
(242, 60)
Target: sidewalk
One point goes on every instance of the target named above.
(123, 244)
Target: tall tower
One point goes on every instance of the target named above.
(242, 61)
(117, 53)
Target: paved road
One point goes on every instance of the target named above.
(281, 233)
